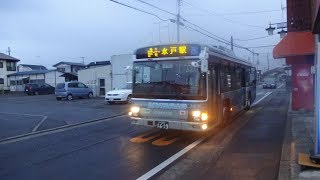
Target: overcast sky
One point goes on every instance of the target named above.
(48, 31)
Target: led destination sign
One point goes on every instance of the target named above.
(168, 51)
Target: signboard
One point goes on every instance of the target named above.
(317, 99)
(168, 51)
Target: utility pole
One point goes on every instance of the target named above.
(178, 20)
(258, 61)
(232, 43)
(82, 60)
(253, 58)
(9, 51)
(268, 61)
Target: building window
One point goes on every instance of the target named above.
(61, 69)
(11, 66)
(13, 83)
(1, 81)
(1, 64)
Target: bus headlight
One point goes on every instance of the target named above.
(198, 115)
(204, 116)
(134, 111)
(204, 126)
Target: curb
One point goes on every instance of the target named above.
(285, 170)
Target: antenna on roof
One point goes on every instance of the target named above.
(9, 51)
(82, 60)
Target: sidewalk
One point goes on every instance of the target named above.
(299, 138)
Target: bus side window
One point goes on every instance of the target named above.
(247, 78)
(225, 79)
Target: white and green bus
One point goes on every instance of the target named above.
(189, 86)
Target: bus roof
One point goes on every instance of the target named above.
(212, 50)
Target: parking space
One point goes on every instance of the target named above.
(24, 114)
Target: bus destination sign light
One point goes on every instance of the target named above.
(168, 51)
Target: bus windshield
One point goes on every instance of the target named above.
(178, 79)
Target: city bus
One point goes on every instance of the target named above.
(190, 87)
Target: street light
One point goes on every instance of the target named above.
(270, 30)
(281, 26)
(282, 33)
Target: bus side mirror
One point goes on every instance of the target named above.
(204, 56)
(204, 65)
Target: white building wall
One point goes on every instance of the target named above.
(120, 73)
(53, 78)
(65, 66)
(3, 74)
(91, 77)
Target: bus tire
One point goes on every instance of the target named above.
(248, 103)
(226, 113)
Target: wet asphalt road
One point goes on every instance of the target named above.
(112, 149)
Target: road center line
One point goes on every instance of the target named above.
(170, 160)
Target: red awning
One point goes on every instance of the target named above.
(295, 44)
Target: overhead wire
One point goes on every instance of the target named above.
(138, 9)
(163, 10)
(252, 12)
(261, 46)
(216, 14)
(251, 39)
(211, 35)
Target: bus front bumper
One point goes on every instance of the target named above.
(177, 125)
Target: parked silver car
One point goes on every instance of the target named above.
(70, 90)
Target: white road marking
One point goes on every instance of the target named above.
(55, 130)
(280, 86)
(167, 162)
(31, 115)
(39, 124)
(266, 95)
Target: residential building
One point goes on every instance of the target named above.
(97, 76)
(70, 69)
(30, 67)
(121, 69)
(298, 48)
(7, 66)
(18, 80)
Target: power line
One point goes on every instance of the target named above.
(250, 12)
(138, 9)
(251, 39)
(156, 7)
(218, 38)
(212, 36)
(204, 30)
(235, 45)
(262, 46)
(216, 14)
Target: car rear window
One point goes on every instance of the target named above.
(33, 85)
(60, 86)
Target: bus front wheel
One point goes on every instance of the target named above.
(248, 103)
(226, 115)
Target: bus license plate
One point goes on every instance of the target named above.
(163, 125)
